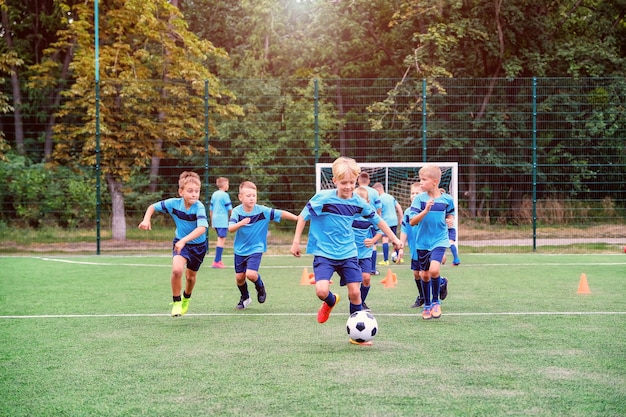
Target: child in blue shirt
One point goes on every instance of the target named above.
(331, 238)
(429, 211)
(219, 212)
(365, 245)
(408, 236)
(250, 222)
(190, 244)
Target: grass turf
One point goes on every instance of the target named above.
(91, 336)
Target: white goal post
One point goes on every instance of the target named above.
(397, 178)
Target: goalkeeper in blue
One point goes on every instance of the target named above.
(190, 242)
(249, 222)
(331, 239)
(429, 211)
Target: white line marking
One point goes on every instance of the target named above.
(537, 313)
(465, 265)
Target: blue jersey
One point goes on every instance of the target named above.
(432, 231)
(362, 230)
(373, 197)
(388, 204)
(186, 220)
(330, 230)
(220, 206)
(410, 232)
(252, 237)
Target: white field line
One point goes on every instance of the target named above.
(520, 313)
(405, 266)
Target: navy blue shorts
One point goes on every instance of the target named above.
(452, 234)
(424, 257)
(251, 262)
(221, 231)
(194, 253)
(347, 269)
(366, 264)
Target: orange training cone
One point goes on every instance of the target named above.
(390, 279)
(583, 286)
(304, 280)
(312, 278)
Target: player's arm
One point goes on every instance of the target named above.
(418, 218)
(145, 223)
(403, 239)
(295, 246)
(233, 227)
(450, 220)
(289, 216)
(195, 233)
(382, 225)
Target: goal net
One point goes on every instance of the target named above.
(397, 178)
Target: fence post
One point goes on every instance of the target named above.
(206, 153)
(97, 79)
(424, 148)
(534, 152)
(316, 121)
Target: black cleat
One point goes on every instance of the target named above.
(443, 289)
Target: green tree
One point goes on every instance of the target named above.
(152, 85)
(491, 41)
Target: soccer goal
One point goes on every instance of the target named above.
(397, 178)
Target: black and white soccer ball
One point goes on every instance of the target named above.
(362, 326)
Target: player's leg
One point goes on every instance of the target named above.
(434, 271)
(219, 247)
(178, 267)
(323, 270)
(366, 277)
(385, 246)
(252, 274)
(240, 280)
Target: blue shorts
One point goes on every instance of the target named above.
(394, 229)
(221, 231)
(424, 257)
(347, 269)
(365, 264)
(251, 262)
(193, 252)
(452, 234)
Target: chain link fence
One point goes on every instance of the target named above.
(542, 162)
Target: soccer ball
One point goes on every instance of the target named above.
(394, 257)
(362, 326)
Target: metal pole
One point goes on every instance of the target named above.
(316, 120)
(206, 152)
(424, 149)
(534, 151)
(97, 78)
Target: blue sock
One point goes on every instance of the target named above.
(427, 288)
(436, 284)
(455, 252)
(374, 261)
(355, 307)
(218, 253)
(364, 291)
(330, 299)
(385, 251)
(259, 282)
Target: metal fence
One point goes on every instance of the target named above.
(541, 161)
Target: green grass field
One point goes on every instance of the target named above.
(92, 336)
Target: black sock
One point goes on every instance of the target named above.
(259, 282)
(243, 289)
(176, 298)
(185, 295)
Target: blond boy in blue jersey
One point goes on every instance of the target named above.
(331, 239)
